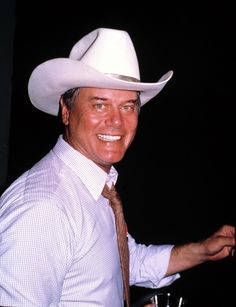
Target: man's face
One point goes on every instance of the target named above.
(102, 124)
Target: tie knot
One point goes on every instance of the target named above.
(113, 196)
(110, 193)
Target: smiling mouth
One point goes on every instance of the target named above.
(109, 138)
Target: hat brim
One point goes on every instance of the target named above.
(53, 78)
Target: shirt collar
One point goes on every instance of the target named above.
(92, 176)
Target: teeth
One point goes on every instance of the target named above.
(110, 138)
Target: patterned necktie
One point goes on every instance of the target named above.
(121, 232)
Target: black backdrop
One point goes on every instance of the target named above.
(176, 179)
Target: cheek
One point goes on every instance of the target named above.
(93, 120)
(131, 129)
(132, 135)
(89, 123)
(84, 121)
(133, 126)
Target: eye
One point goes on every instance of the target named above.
(131, 106)
(99, 106)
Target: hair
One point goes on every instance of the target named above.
(69, 97)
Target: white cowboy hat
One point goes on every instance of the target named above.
(104, 58)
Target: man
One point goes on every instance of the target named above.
(58, 237)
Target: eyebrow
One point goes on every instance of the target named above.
(98, 98)
(134, 100)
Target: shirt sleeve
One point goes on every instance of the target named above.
(35, 251)
(148, 265)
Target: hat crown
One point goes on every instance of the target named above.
(108, 51)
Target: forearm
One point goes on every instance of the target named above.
(218, 246)
(185, 257)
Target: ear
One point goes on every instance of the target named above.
(65, 114)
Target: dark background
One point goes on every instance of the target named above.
(177, 179)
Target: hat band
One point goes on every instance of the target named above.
(122, 77)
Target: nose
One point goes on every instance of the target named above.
(114, 118)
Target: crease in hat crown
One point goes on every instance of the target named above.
(104, 58)
(108, 51)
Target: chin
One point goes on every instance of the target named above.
(113, 159)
